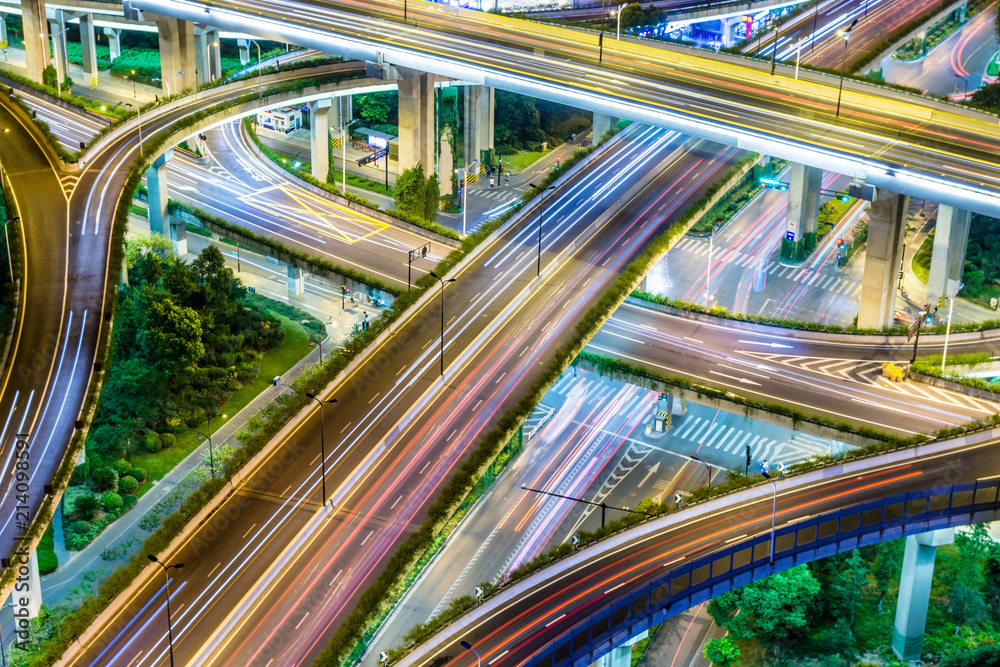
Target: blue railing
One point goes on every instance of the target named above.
(823, 535)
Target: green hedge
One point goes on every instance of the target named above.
(333, 189)
(931, 365)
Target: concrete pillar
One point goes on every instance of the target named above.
(480, 102)
(57, 33)
(915, 590)
(178, 237)
(3, 27)
(114, 42)
(601, 124)
(416, 120)
(446, 163)
(244, 46)
(319, 137)
(156, 187)
(951, 236)
(36, 43)
(178, 69)
(207, 57)
(802, 216)
(342, 111)
(620, 656)
(88, 45)
(886, 230)
(296, 282)
(729, 24)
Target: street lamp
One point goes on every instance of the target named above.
(465, 192)
(133, 84)
(843, 64)
(318, 341)
(167, 80)
(774, 508)
(343, 144)
(541, 213)
(322, 437)
(600, 40)
(468, 647)
(966, 82)
(947, 330)
(708, 467)
(618, 14)
(442, 281)
(138, 110)
(798, 52)
(170, 627)
(6, 238)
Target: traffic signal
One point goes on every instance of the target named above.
(844, 198)
(773, 183)
(343, 289)
(842, 244)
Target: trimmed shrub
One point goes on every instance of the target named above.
(129, 501)
(123, 467)
(86, 505)
(80, 474)
(81, 527)
(47, 562)
(112, 501)
(167, 440)
(127, 485)
(104, 479)
(152, 442)
(139, 474)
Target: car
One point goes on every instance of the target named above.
(902, 316)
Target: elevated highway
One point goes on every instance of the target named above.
(578, 609)
(899, 142)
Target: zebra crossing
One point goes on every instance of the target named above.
(497, 194)
(573, 387)
(536, 420)
(810, 277)
(710, 434)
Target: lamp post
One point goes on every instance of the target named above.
(166, 574)
(211, 453)
(843, 64)
(600, 39)
(138, 111)
(695, 458)
(6, 238)
(541, 213)
(468, 647)
(322, 438)
(465, 192)
(947, 330)
(413, 254)
(798, 52)
(966, 82)
(133, 84)
(618, 37)
(343, 144)
(318, 341)
(442, 281)
(774, 508)
(604, 506)
(166, 81)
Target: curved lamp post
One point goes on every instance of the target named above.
(166, 574)
(322, 437)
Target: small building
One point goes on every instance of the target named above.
(284, 119)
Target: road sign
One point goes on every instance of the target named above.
(478, 592)
(3, 43)
(914, 325)
(383, 656)
(93, 81)
(575, 541)
(677, 497)
(371, 158)
(780, 468)
(790, 236)
(940, 301)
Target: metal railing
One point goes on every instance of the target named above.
(823, 535)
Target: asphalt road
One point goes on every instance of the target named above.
(425, 419)
(238, 188)
(819, 375)
(956, 66)
(696, 95)
(71, 126)
(510, 632)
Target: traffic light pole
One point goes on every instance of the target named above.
(916, 340)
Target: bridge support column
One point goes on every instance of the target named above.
(729, 31)
(244, 47)
(915, 590)
(88, 45)
(319, 137)
(416, 120)
(114, 42)
(620, 656)
(156, 188)
(57, 32)
(342, 111)
(886, 230)
(478, 115)
(951, 236)
(296, 282)
(36, 44)
(446, 163)
(207, 56)
(177, 54)
(601, 124)
(802, 215)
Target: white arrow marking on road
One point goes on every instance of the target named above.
(740, 380)
(758, 342)
(652, 471)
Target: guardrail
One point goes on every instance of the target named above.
(826, 534)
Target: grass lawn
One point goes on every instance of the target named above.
(993, 69)
(521, 161)
(295, 346)
(921, 263)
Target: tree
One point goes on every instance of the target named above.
(632, 16)
(516, 120)
(175, 330)
(376, 108)
(991, 579)
(722, 652)
(846, 585)
(886, 560)
(411, 191)
(432, 198)
(768, 608)
(50, 77)
(86, 505)
(988, 96)
(963, 577)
